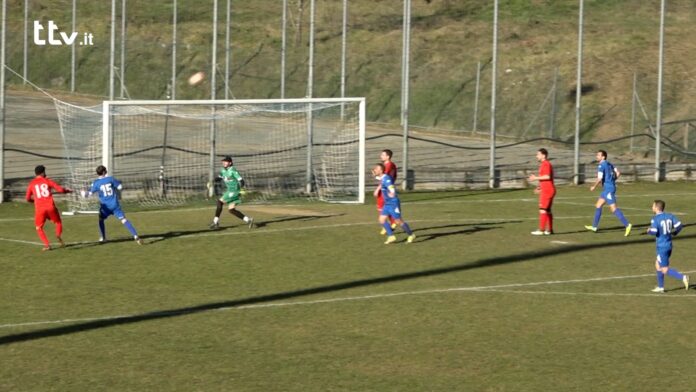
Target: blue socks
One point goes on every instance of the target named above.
(617, 212)
(597, 216)
(102, 229)
(660, 279)
(404, 227)
(675, 274)
(130, 228)
(621, 217)
(387, 227)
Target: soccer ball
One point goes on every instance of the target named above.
(196, 78)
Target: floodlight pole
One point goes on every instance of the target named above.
(123, 47)
(173, 82)
(72, 48)
(660, 73)
(283, 46)
(26, 41)
(474, 127)
(344, 28)
(310, 92)
(405, 91)
(494, 78)
(227, 50)
(3, 43)
(213, 68)
(578, 98)
(112, 50)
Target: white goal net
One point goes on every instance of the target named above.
(169, 152)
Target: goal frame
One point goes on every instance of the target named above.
(108, 139)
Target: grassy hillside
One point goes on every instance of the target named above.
(448, 39)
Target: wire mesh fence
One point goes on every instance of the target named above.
(450, 77)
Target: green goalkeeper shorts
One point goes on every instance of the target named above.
(231, 197)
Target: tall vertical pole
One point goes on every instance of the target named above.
(283, 46)
(3, 43)
(72, 48)
(660, 72)
(112, 50)
(474, 127)
(554, 102)
(633, 110)
(26, 42)
(403, 58)
(123, 47)
(578, 98)
(227, 50)
(404, 109)
(494, 78)
(173, 82)
(213, 85)
(310, 93)
(344, 29)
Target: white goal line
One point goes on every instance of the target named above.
(503, 288)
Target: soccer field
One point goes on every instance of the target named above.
(312, 300)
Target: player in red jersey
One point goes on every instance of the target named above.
(546, 191)
(390, 170)
(39, 193)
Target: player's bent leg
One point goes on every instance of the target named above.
(42, 235)
(218, 212)
(131, 229)
(102, 230)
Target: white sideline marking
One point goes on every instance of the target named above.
(622, 208)
(560, 242)
(495, 288)
(579, 293)
(21, 241)
(333, 226)
(535, 198)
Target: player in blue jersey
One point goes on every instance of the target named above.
(392, 205)
(106, 186)
(607, 175)
(664, 226)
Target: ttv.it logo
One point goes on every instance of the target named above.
(63, 38)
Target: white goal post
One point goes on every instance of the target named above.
(167, 152)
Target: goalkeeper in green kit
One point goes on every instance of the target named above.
(232, 195)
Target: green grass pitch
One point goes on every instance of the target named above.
(312, 300)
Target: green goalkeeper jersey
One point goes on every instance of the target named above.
(231, 178)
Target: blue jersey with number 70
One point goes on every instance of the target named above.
(664, 226)
(106, 188)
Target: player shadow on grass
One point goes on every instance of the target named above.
(83, 326)
(302, 218)
(469, 228)
(153, 238)
(603, 230)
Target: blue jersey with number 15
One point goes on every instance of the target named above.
(106, 188)
(664, 226)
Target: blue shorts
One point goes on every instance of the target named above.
(393, 210)
(663, 257)
(609, 195)
(105, 212)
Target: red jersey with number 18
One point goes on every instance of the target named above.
(39, 190)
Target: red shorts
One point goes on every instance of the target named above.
(40, 216)
(545, 200)
(380, 202)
